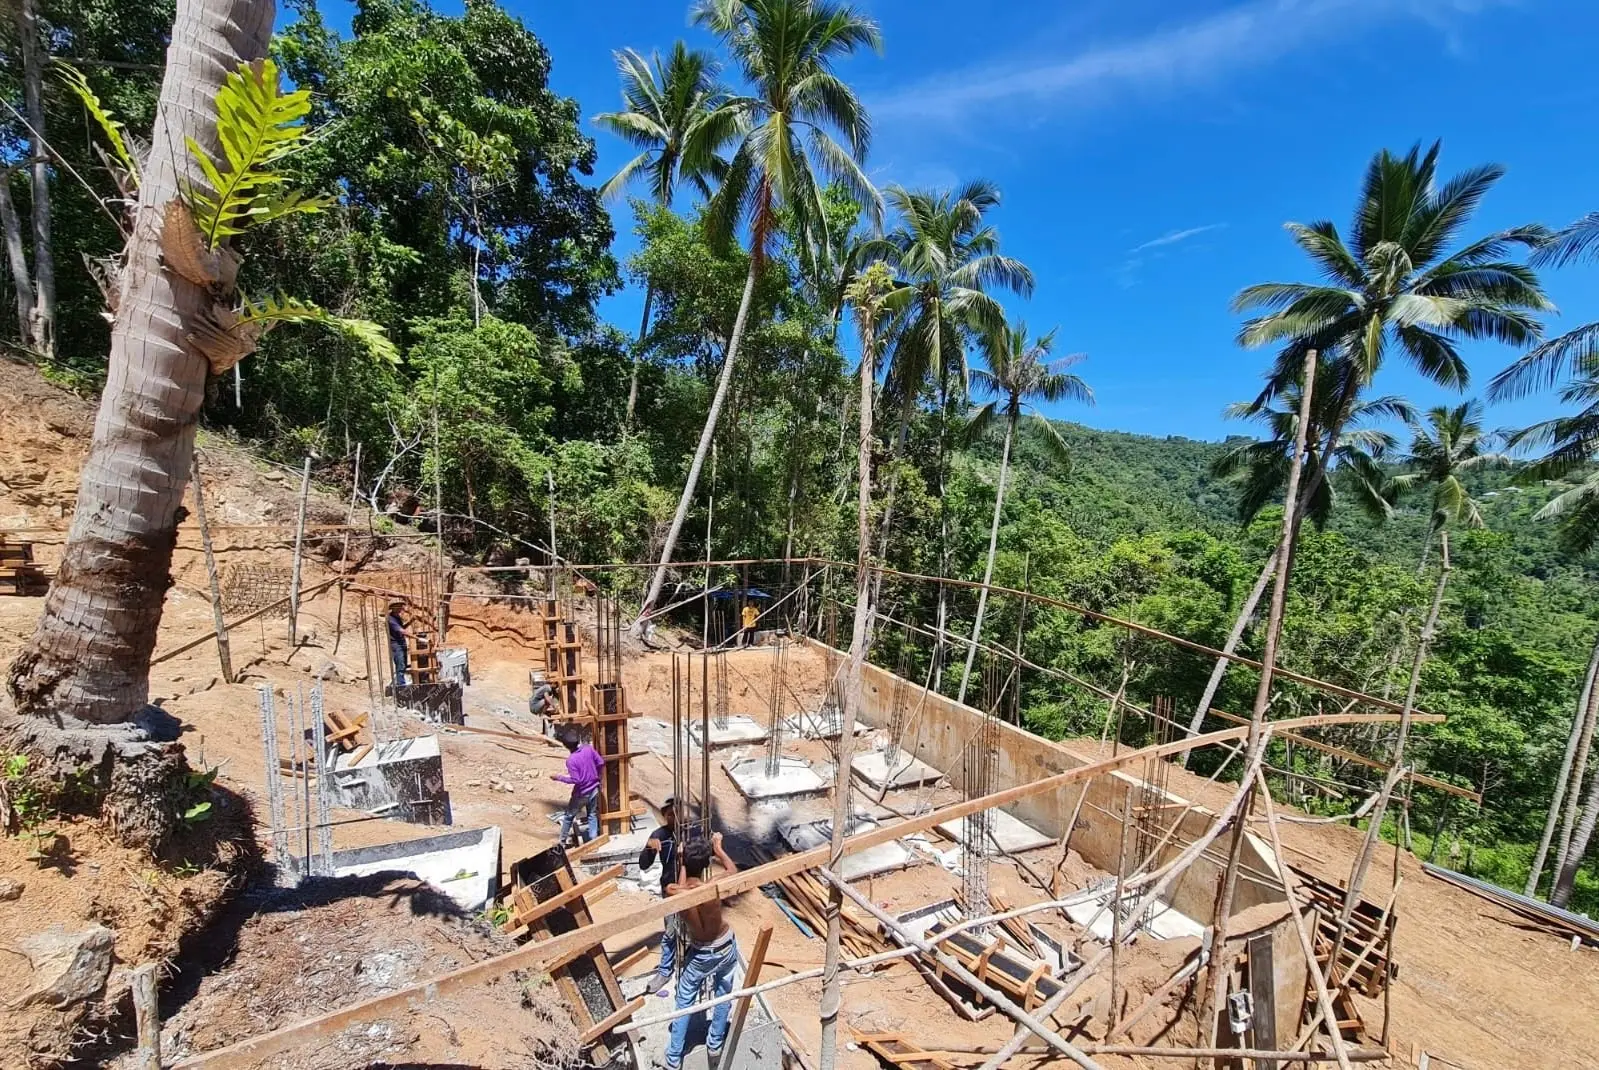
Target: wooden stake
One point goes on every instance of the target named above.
(344, 554)
(299, 541)
(741, 1009)
(224, 654)
(1290, 888)
(147, 1013)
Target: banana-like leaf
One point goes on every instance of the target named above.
(114, 131)
(258, 126)
(272, 311)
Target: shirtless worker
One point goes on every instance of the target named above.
(711, 955)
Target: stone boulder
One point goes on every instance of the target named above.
(68, 967)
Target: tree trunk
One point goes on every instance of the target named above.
(638, 347)
(44, 273)
(90, 656)
(1579, 770)
(16, 260)
(1357, 877)
(1257, 719)
(709, 431)
(1247, 611)
(860, 640)
(1566, 877)
(1581, 724)
(993, 546)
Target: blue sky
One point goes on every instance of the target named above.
(1149, 152)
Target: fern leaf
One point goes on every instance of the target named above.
(265, 314)
(114, 131)
(258, 126)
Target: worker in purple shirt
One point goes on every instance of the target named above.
(583, 767)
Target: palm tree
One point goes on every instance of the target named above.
(1393, 287)
(1019, 375)
(1260, 467)
(786, 50)
(1448, 445)
(1570, 444)
(949, 257)
(673, 113)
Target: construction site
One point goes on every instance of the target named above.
(402, 895)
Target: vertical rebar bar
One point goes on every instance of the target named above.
(324, 783)
(274, 773)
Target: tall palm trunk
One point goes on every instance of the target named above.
(993, 545)
(709, 432)
(1581, 727)
(90, 656)
(1246, 612)
(1566, 877)
(860, 641)
(16, 257)
(638, 348)
(1579, 769)
(41, 330)
(1396, 762)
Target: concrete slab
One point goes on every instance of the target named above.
(794, 777)
(818, 725)
(1013, 834)
(882, 858)
(908, 772)
(738, 729)
(1163, 922)
(464, 865)
(623, 848)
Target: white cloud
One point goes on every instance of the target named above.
(1251, 34)
(1172, 237)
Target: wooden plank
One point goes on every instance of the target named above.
(631, 959)
(1263, 991)
(588, 847)
(752, 977)
(548, 906)
(1359, 759)
(544, 951)
(608, 1025)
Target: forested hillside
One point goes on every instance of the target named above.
(464, 216)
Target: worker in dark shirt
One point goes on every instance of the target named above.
(662, 844)
(398, 634)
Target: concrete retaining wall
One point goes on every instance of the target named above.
(938, 729)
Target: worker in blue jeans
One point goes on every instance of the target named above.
(711, 957)
(584, 765)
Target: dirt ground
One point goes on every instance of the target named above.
(1476, 988)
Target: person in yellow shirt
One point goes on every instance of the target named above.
(751, 616)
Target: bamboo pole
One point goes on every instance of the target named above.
(224, 652)
(299, 543)
(1220, 966)
(1317, 977)
(344, 553)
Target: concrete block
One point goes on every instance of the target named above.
(881, 858)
